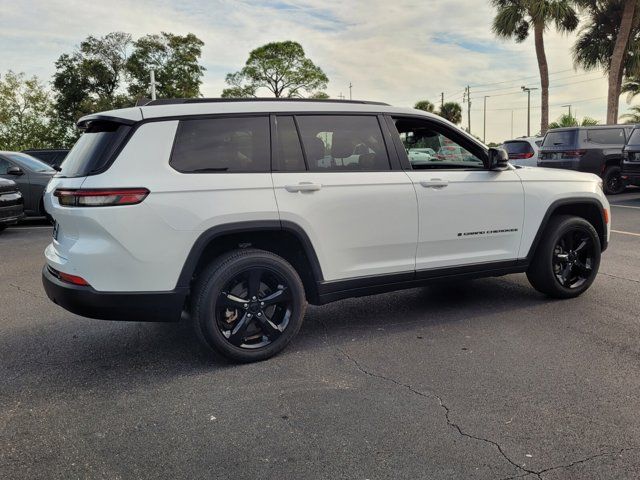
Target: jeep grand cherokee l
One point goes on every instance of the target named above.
(241, 212)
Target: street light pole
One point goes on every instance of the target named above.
(569, 108)
(484, 134)
(153, 84)
(528, 90)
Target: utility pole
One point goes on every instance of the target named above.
(469, 108)
(153, 84)
(528, 90)
(350, 85)
(511, 123)
(442, 100)
(569, 108)
(484, 133)
(341, 96)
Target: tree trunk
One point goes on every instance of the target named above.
(616, 68)
(538, 29)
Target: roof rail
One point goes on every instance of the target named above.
(178, 101)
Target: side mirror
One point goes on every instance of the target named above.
(498, 159)
(17, 171)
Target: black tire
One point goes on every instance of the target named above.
(612, 180)
(213, 309)
(546, 272)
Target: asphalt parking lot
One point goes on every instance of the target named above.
(482, 379)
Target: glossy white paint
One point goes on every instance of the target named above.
(458, 210)
(360, 223)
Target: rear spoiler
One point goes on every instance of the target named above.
(84, 122)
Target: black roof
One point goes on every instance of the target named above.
(145, 102)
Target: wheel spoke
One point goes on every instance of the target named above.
(268, 327)
(584, 269)
(231, 301)
(239, 330)
(583, 244)
(278, 296)
(254, 282)
(566, 274)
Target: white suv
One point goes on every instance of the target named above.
(241, 212)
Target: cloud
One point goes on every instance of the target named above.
(398, 52)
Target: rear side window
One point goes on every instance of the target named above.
(230, 144)
(634, 139)
(607, 136)
(564, 138)
(94, 149)
(518, 147)
(343, 143)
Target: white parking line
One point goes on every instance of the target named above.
(626, 233)
(624, 206)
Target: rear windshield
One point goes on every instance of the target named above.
(94, 149)
(518, 147)
(560, 139)
(634, 139)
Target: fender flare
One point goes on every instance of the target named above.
(561, 203)
(209, 235)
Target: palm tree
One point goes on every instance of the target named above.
(610, 40)
(567, 120)
(633, 116)
(452, 111)
(631, 87)
(515, 18)
(425, 105)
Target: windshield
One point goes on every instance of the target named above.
(634, 139)
(563, 138)
(30, 163)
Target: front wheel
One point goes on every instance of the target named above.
(567, 259)
(248, 305)
(613, 182)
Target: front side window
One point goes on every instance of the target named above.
(431, 147)
(343, 143)
(217, 145)
(4, 166)
(607, 136)
(634, 139)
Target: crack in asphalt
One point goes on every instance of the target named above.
(619, 278)
(447, 413)
(24, 290)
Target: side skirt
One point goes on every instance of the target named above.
(359, 287)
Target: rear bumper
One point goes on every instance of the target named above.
(11, 214)
(631, 176)
(128, 306)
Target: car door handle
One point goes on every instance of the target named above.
(435, 183)
(303, 187)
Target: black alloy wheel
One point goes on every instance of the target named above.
(248, 304)
(573, 258)
(254, 308)
(613, 181)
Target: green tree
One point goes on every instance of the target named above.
(631, 87)
(90, 79)
(279, 67)
(515, 18)
(425, 105)
(452, 111)
(25, 111)
(632, 116)
(175, 60)
(567, 120)
(610, 40)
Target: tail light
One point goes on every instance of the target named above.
(104, 197)
(67, 277)
(573, 153)
(521, 156)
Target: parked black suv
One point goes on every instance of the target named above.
(52, 156)
(588, 149)
(11, 203)
(631, 159)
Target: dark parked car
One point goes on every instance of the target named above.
(32, 177)
(631, 159)
(51, 156)
(11, 203)
(588, 149)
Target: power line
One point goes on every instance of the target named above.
(518, 79)
(556, 79)
(538, 106)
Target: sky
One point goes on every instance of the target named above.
(397, 51)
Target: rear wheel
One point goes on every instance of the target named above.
(248, 305)
(613, 182)
(567, 259)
